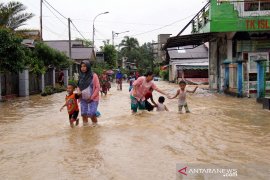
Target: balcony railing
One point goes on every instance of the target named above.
(199, 20)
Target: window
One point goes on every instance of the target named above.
(265, 6)
(262, 5)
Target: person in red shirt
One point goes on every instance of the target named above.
(148, 105)
(72, 105)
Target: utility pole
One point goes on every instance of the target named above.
(69, 45)
(41, 33)
(115, 33)
(112, 38)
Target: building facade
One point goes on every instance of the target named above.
(238, 33)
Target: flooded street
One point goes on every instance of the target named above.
(37, 142)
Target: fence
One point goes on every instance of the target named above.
(9, 84)
(48, 77)
(34, 84)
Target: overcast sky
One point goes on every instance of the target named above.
(144, 19)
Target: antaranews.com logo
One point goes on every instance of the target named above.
(213, 171)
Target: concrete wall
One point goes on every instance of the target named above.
(217, 54)
(213, 65)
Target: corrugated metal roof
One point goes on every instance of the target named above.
(192, 39)
(187, 52)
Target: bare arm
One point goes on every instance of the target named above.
(177, 93)
(161, 92)
(166, 108)
(96, 87)
(63, 107)
(193, 90)
(152, 100)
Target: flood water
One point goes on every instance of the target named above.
(37, 142)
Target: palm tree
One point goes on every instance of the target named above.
(130, 48)
(128, 44)
(12, 15)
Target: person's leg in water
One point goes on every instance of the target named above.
(134, 104)
(92, 112)
(148, 106)
(120, 82)
(85, 120)
(84, 109)
(180, 109)
(141, 105)
(186, 108)
(71, 120)
(74, 118)
(94, 120)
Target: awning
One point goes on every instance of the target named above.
(192, 67)
(192, 39)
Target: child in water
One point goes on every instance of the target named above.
(72, 105)
(160, 105)
(182, 96)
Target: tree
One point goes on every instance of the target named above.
(110, 54)
(86, 43)
(146, 57)
(12, 55)
(129, 45)
(12, 15)
(51, 57)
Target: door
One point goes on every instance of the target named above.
(252, 71)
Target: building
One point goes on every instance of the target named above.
(190, 64)
(78, 51)
(157, 51)
(239, 45)
(100, 57)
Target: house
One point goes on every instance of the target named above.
(131, 66)
(78, 51)
(238, 33)
(100, 57)
(188, 63)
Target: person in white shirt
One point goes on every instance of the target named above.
(160, 105)
(182, 96)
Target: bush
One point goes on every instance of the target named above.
(48, 90)
(59, 88)
(164, 74)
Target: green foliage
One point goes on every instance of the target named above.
(51, 57)
(164, 74)
(12, 55)
(86, 43)
(129, 43)
(35, 65)
(49, 90)
(12, 15)
(99, 67)
(110, 55)
(156, 71)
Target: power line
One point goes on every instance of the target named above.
(55, 15)
(161, 27)
(119, 22)
(51, 31)
(63, 17)
(56, 10)
(78, 30)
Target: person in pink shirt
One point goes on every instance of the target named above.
(140, 87)
(89, 88)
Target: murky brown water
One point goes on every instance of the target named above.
(37, 142)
